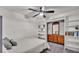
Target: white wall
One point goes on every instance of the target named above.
(61, 28)
(15, 26)
(50, 28)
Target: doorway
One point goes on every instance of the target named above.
(55, 32)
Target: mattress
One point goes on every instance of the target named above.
(33, 45)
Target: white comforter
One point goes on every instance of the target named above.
(34, 45)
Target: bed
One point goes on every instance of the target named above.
(33, 45)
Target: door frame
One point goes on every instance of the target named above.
(0, 34)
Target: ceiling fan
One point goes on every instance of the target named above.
(41, 12)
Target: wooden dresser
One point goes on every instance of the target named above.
(56, 38)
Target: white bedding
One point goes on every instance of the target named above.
(34, 45)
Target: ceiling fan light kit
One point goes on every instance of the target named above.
(41, 14)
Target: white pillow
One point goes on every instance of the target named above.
(7, 43)
(14, 43)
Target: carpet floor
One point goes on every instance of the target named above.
(57, 48)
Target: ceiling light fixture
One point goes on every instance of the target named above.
(41, 14)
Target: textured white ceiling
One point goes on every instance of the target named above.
(24, 10)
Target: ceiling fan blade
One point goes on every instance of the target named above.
(51, 11)
(44, 16)
(40, 9)
(32, 9)
(36, 15)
